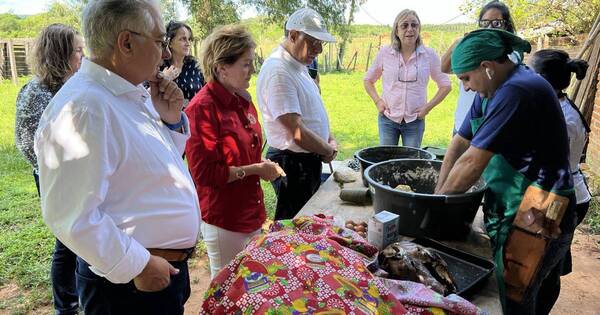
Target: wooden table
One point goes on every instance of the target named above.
(326, 201)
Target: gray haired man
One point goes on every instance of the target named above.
(113, 186)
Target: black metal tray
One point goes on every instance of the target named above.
(469, 271)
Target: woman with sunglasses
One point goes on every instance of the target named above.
(182, 67)
(224, 149)
(405, 67)
(495, 14)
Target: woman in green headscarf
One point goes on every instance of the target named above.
(515, 137)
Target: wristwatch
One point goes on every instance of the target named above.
(240, 173)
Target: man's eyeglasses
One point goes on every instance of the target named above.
(405, 25)
(499, 23)
(406, 72)
(312, 42)
(164, 43)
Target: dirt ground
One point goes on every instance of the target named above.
(580, 293)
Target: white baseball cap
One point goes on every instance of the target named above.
(308, 21)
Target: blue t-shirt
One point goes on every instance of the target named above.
(524, 123)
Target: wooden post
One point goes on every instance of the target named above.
(368, 57)
(2, 72)
(13, 62)
(27, 51)
(355, 58)
(329, 57)
(352, 60)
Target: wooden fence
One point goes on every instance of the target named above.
(14, 55)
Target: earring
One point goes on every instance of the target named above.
(489, 73)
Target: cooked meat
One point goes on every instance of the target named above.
(409, 261)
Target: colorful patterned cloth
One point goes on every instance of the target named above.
(303, 266)
(309, 266)
(416, 297)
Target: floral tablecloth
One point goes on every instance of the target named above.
(306, 266)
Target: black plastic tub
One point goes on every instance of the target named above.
(373, 155)
(469, 271)
(438, 152)
(422, 214)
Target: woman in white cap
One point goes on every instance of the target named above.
(406, 66)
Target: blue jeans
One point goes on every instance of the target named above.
(62, 273)
(390, 132)
(102, 297)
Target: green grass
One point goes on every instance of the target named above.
(25, 243)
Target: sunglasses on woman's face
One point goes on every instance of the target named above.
(499, 23)
(406, 25)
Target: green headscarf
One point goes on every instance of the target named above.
(485, 44)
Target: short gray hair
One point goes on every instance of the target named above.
(103, 20)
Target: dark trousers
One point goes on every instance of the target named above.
(62, 273)
(581, 210)
(102, 297)
(303, 179)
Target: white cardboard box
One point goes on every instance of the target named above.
(383, 229)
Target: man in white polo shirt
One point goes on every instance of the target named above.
(294, 116)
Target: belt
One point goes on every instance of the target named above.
(173, 254)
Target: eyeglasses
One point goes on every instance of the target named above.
(164, 43)
(416, 65)
(312, 42)
(406, 25)
(499, 23)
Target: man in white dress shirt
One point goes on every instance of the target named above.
(114, 188)
(295, 120)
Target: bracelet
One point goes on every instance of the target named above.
(177, 125)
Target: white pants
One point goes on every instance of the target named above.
(222, 245)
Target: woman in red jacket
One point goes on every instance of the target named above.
(224, 150)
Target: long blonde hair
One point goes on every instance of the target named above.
(51, 53)
(395, 40)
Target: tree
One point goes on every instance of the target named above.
(13, 26)
(333, 12)
(207, 14)
(9, 25)
(168, 9)
(567, 16)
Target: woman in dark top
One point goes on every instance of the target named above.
(57, 56)
(224, 149)
(182, 68)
